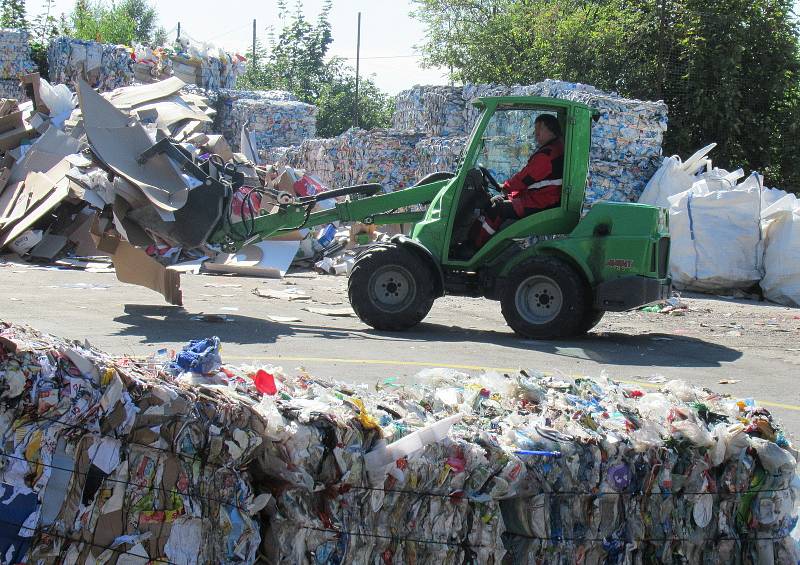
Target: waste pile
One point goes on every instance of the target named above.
(708, 205)
(209, 67)
(132, 178)
(15, 62)
(359, 156)
(435, 110)
(439, 154)
(274, 117)
(105, 459)
(110, 66)
(626, 139)
(151, 64)
(625, 150)
(103, 65)
(183, 459)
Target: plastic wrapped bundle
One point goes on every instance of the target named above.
(439, 154)
(103, 456)
(358, 156)
(275, 118)
(107, 66)
(436, 110)
(617, 182)
(10, 88)
(107, 460)
(15, 54)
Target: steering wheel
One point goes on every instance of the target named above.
(489, 178)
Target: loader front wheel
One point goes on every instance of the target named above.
(390, 288)
(545, 298)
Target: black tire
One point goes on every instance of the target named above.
(545, 298)
(390, 288)
(591, 319)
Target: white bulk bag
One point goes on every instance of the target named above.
(674, 177)
(716, 237)
(781, 281)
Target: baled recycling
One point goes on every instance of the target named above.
(626, 140)
(190, 461)
(15, 62)
(105, 66)
(276, 118)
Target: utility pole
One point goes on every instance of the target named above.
(254, 42)
(358, 60)
(179, 32)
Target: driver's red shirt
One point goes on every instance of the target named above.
(528, 189)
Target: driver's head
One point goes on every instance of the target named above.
(546, 128)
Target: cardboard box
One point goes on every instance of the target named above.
(15, 137)
(11, 122)
(217, 144)
(30, 83)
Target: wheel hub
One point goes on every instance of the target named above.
(392, 288)
(539, 299)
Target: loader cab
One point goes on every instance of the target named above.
(501, 143)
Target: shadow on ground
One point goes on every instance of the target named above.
(170, 324)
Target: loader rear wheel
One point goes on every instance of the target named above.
(390, 288)
(545, 298)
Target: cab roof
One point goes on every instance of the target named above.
(528, 101)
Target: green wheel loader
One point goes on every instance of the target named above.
(554, 273)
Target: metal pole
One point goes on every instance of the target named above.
(358, 60)
(179, 32)
(254, 42)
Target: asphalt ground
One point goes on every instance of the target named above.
(752, 345)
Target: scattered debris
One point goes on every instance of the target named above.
(289, 294)
(333, 312)
(283, 319)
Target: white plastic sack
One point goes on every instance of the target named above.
(781, 281)
(674, 177)
(716, 237)
(58, 99)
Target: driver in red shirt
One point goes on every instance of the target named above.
(535, 188)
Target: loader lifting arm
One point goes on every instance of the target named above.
(297, 213)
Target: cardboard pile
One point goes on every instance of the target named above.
(97, 188)
(180, 459)
(15, 62)
(73, 194)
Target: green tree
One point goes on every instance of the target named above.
(97, 22)
(295, 60)
(144, 17)
(12, 14)
(45, 25)
(728, 70)
(336, 102)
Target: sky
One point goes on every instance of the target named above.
(388, 33)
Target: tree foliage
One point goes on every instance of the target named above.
(124, 23)
(12, 14)
(729, 70)
(295, 60)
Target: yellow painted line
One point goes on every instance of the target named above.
(430, 364)
(366, 362)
